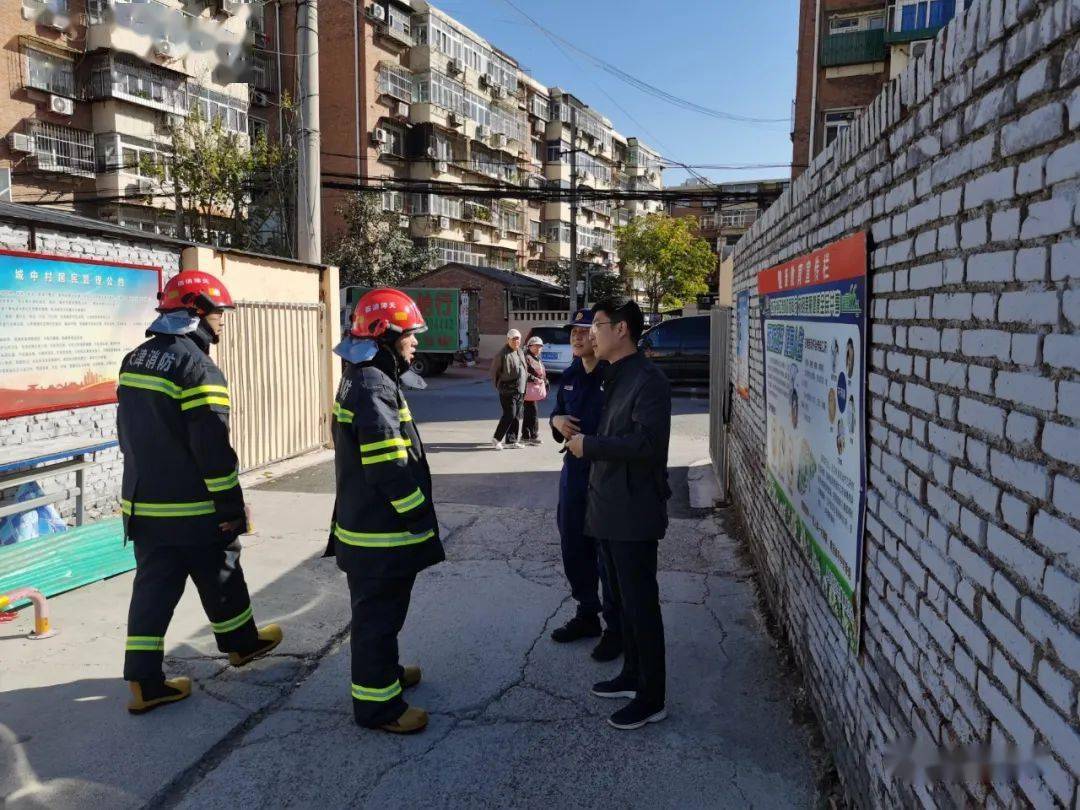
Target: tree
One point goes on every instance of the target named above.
(227, 190)
(601, 282)
(669, 262)
(374, 251)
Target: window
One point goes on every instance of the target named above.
(447, 251)
(257, 128)
(538, 151)
(534, 230)
(836, 121)
(551, 334)
(49, 72)
(393, 201)
(437, 205)
(395, 140)
(131, 156)
(918, 14)
(396, 82)
(850, 23)
(129, 79)
(399, 22)
(63, 149)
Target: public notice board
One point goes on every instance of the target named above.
(65, 325)
(814, 315)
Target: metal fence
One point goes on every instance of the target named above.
(273, 356)
(719, 393)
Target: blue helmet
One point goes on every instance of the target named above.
(582, 318)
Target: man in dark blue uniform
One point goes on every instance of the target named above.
(579, 405)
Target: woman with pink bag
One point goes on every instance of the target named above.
(536, 390)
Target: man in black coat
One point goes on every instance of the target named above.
(627, 504)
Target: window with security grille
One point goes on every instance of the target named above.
(50, 72)
(396, 82)
(63, 149)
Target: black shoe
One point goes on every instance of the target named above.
(636, 714)
(576, 628)
(609, 648)
(618, 687)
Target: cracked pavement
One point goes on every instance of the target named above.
(512, 723)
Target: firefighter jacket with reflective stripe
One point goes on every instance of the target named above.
(384, 521)
(180, 472)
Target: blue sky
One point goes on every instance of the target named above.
(737, 56)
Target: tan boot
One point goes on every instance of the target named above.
(147, 696)
(269, 637)
(411, 721)
(411, 676)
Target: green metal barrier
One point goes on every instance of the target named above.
(56, 563)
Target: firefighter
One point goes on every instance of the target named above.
(384, 529)
(181, 498)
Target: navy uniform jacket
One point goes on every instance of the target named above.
(180, 472)
(581, 395)
(384, 519)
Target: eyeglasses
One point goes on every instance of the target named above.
(595, 324)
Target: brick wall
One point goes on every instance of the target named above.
(492, 295)
(99, 422)
(966, 170)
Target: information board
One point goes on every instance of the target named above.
(814, 314)
(742, 344)
(65, 326)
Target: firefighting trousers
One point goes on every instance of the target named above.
(161, 573)
(379, 607)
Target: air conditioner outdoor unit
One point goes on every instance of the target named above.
(498, 92)
(470, 236)
(442, 166)
(56, 20)
(231, 7)
(444, 223)
(454, 120)
(401, 109)
(378, 135)
(484, 80)
(61, 105)
(403, 221)
(376, 12)
(258, 98)
(432, 152)
(455, 66)
(481, 132)
(498, 139)
(539, 126)
(145, 186)
(918, 49)
(18, 142)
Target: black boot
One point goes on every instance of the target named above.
(575, 629)
(609, 648)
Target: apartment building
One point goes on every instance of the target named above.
(409, 94)
(848, 49)
(93, 86)
(722, 224)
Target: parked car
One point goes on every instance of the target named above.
(680, 347)
(556, 355)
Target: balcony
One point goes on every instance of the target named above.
(853, 48)
(913, 35)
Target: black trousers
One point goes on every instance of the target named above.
(510, 423)
(587, 574)
(161, 572)
(631, 570)
(379, 607)
(530, 428)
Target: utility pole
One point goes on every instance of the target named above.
(573, 209)
(308, 192)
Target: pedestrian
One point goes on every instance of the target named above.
(384, 529)
(627, 503)
(509, 376)
(579, 404)
(536, 391)
(181, 498)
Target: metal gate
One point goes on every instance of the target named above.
(719, 393)
(273, 356)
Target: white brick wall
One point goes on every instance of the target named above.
(965, 173)
(89, 424)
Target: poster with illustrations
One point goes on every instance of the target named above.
(742, 344)
(813, 317)
(65, 325)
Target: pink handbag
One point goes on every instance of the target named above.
(536, 391)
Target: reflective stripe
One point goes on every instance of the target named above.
(234, 623)
(343, 415)
(409, 502)
(225, 482)
(375, 694)
(144, 509)
(187, 393)
(395, 442)
(209, 400)
(145, 644)
(365, 460)
(150, 383)
(380, 539)
(405, 415)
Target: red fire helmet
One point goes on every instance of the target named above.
(386, 310)
(194, 289)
